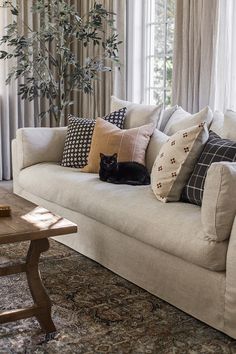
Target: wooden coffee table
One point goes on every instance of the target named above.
(30, 222)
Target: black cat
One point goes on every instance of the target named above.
(132, 173)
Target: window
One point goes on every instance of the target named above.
(159, 51)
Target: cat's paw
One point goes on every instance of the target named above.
(103, 179)
(110, 180)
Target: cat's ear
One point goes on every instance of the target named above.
(115, 155)
(102, 155)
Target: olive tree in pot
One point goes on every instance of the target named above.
(55, 74)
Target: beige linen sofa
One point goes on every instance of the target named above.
(161, 247)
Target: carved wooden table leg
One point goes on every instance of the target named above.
(42, 304)
(41, 299)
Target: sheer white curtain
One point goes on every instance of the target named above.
(14, 113)
(135, 69)
(4, 131)
(223, 95)
(8, 108)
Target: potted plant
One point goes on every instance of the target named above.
(55, 74)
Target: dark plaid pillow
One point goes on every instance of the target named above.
(215, 150)
(79, 137)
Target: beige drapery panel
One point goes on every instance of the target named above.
(114, 82)
(15, 113)
(194, 46)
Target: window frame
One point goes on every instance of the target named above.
(149, 25)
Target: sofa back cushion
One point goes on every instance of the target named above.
(230, 125)
(35, 145)
(129, 144)
(217, 124)
(165, 117)
(219, 201)
(137, 114)
(181, 119)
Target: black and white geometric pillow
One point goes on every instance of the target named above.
(79, 138)
(117, 117)
(215, 150)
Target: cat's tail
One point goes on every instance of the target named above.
(138, 183)
(134, 183)
(147, 180)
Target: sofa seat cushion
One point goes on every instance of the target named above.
(173, 227)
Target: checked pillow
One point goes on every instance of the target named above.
(79, 138)
(215, 150)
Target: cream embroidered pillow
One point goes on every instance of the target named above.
(175, 162)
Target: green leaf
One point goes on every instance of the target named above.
(14, 11)
(3, 54)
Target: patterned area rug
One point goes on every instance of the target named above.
(96, 311)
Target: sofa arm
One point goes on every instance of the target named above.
(35, 145)
(219, 201)
(230, 286)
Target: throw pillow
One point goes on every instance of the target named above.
(230, 125)
(218, 205)
(181, 119)
(79, 137)
(137, 114)
(175, 162)
(216, 150)
(130, 144)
